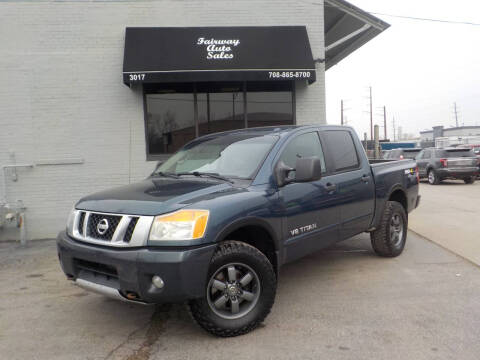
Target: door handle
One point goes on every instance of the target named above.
(330, 187)
(365, 178)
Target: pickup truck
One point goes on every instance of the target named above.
(214, 223)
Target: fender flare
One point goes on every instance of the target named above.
(248, 221)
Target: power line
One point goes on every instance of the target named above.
(427, 19)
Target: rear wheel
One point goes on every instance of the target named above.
(240, 291)
(469, 180)
(433, 178)
(389, 238)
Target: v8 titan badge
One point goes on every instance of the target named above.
(303, 229)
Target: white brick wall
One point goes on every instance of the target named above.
(62, 97)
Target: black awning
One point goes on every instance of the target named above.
(156, 55)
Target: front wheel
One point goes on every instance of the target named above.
(469, 180)
(240, 291)
(389, 238)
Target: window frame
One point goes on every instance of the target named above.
(330, 159)
(149, 89)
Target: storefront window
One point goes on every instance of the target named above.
(170, 119)
(220, 108)
(170, 111)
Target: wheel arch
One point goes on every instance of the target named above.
(255, 232)
(399, 195)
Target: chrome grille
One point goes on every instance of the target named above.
(96, 232)
(119, 230)
(130, 229)
(81, 222)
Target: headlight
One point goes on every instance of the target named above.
(70, 221)
(180, 225)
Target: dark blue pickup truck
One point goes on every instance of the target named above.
(215, 222)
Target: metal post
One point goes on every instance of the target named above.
(195, 110)
(377, 142)
(365, 142)
(371, 115)
(456, 114)
(341, 112)
(385, 122)
(245, 109)
(208, 112)
(23, 233)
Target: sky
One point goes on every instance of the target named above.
(417, 69)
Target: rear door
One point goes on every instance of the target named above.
(309, 210)
(352, 176)
(422, 161)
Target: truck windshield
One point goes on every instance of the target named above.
(229, 155)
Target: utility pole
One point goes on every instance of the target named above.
(385, 122)
(341, 112)
(371, 115)
(456, 114)
(394, 131)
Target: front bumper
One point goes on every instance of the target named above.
(128, 272)
(459, 173)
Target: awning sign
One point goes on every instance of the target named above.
(156, 55)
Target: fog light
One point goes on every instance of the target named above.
(157, 281)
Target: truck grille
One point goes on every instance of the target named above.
(130, 229)
(118, 230)
(81, 222)
(102, 226)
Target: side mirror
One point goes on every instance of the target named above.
(306, 169)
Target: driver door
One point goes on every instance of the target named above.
(310, 215)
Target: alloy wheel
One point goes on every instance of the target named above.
(233, 291)
(396, 229)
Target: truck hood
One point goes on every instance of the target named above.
(152, 196)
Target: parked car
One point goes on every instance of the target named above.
(449, 163)
(215, 222)
(403, 153)
(476, 151)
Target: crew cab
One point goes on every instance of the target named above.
(215, 222)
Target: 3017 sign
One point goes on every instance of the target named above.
(136, 77)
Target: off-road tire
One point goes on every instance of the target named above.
(434, 179)
(237, 252)
(469, 180)
(382, 243)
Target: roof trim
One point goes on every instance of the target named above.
(352, 30)
(358, 13)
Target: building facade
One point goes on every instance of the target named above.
(76, 119)
(440, 131)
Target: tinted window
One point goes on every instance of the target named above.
(426, 154)
(410, 154)
(269, 104)
(455, 153)
(170, 121)
(305, 145)
(340, 145)
(220, 111)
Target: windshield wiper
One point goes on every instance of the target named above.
(205, 174)
(165, 174)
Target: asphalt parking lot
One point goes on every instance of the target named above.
(342, 303)
(449, 215)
